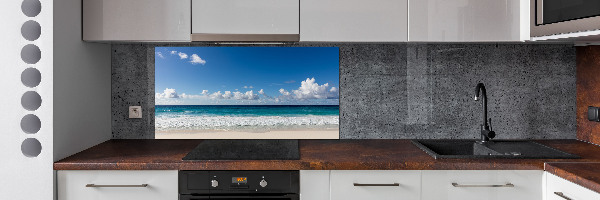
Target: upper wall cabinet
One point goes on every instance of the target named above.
(136, 20)
(468, 20)
(245, 20)
(354, 20)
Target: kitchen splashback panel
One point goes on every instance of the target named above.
(407, 90)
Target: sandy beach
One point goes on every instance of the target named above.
(329, 133)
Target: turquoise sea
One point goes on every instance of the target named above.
(252, 117)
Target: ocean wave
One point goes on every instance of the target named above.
(186, 122)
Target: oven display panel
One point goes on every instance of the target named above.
(239, 180)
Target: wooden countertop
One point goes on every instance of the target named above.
(314, 155)
(581, 173)
(331, 155)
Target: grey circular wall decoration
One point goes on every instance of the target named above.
(31, 77)
(31, 30)
(31, 54)
(31, 124)
(31, 100)
(31, 8)
(31, 147)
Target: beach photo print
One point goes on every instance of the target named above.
(247, 93)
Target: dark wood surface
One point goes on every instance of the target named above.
(314, 155)
(588, 92)
(584, 174)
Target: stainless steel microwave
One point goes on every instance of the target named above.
(554, 17)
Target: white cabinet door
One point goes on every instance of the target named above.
(468, 20)
(245, 16)
(561, 189)
(354, 20)
(314, 184)
(136, 20)
(482, 184)
(117, 185)
(375, 185)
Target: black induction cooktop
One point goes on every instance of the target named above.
(245, 150)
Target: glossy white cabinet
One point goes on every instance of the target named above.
(378, 184)
(245, 16)
(482, 184)
(117, 184)
(468, 20)
(136, 20)
(561, 189)
(314, 185)
(354, 20)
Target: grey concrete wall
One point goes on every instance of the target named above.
(408, 90)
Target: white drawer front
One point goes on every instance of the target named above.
(314, 184)
(343, 188)
(476, 184)
(162, 185)
(567, 188)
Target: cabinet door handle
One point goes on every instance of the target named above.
(362, 184)
(94, 185)
(560, 194)
(505, 185)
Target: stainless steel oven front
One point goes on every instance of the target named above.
(553, 17)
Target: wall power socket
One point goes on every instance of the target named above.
(135, 112)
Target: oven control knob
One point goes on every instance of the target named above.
(214, 183)
(263, 183)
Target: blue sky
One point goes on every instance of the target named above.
(247, 75)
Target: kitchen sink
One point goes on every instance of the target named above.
(441, 149)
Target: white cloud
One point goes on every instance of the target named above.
(160, 55)
(169, 93)
(182, 55)
(290, 81)
(310, 89)
(173, 52)
(191, 96)
(227, 95)
(249, 95)
(245, 86)
(284, 92)
(216, 95)
(262, 92)
(195, 59)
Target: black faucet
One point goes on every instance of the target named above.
(486, 129)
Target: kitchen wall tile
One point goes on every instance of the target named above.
(407, 90)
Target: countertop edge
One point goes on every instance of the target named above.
(581, 180)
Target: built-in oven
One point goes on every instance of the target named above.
(553, 17)
(234, 185)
